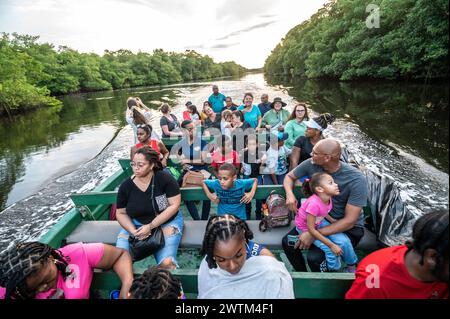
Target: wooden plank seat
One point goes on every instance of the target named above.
(106, 231)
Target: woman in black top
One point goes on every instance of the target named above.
(304, 144)
(150, 198)
(240, 130)
(169, 122)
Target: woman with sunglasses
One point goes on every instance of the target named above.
(144, 135)
(296, 126)
(149, 199)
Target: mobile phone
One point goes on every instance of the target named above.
(292, 240)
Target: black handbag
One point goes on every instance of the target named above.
(140, 249)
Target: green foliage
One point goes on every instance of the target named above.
(30, 72)
(411, 42)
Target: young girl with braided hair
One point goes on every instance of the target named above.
(156, 283)
(313, 215)
(36, 270)
(236, 267)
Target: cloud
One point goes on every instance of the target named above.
(248, 29)
(169, 7)
(223, 45)
(238, 10)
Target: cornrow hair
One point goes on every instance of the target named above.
(222, 228)
(430, 231)
(21, 261)
(324, 119)
(309, 186)
(156, 283)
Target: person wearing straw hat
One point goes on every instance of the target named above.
(277, 117)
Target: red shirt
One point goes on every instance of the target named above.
(153, 144)
(186, 115)
(394, 282)
(218, 159)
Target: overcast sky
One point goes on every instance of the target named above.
(244, 31)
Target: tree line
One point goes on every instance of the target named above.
(31, 73)
(344, 40)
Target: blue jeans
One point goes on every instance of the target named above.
(268, 179)
(340, 239)
(192, 209)
(171, 242)
(259, 202)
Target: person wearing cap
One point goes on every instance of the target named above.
(275, 160)
(216, 99)
(264, 106)
(296, 125)
(303, 145)
(187, 113)
(277, 117)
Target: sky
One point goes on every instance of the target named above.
(244, 31)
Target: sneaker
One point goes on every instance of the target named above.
(350, 269)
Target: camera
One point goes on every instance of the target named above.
(292, 240)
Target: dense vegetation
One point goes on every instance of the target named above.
(410, 42)
(30, 72)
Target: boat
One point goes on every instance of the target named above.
(89, 221)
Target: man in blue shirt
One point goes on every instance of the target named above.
(264, 106)
(216, 99)
(231, 194)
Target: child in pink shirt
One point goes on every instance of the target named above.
(313, 215)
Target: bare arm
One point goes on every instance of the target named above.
(288, 185)
(120, 261)
(247, 198)
(169, 212)
(165, 153)
(295, 157)
(259, 122)
(211, 196)
(348, 222)
(125, 221)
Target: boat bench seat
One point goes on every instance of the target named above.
(107, 231)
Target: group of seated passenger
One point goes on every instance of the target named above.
(328, 225)
(234, 267)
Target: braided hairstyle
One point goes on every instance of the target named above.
(324, 119)
(431, 232)
(222, 228)
(156, 283)
(23, 260)
(309, 186)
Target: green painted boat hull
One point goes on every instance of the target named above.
(96, 206)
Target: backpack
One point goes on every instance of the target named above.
(277, 214)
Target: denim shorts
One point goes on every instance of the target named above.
(171, 242)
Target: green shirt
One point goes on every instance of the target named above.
(295, 130)
(272, 118)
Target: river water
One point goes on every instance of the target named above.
(394, 129)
